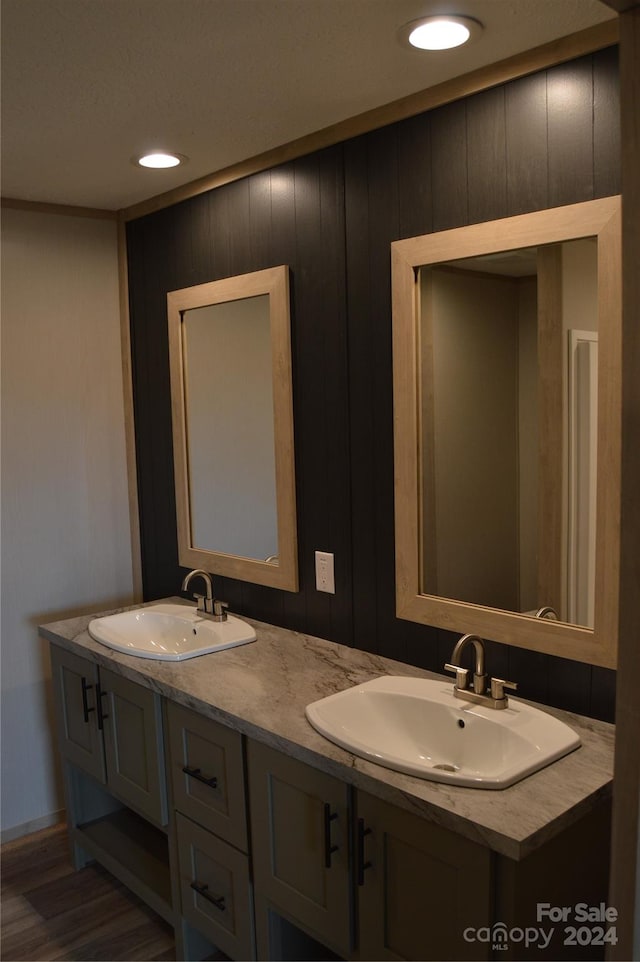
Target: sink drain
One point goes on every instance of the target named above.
(447, 768)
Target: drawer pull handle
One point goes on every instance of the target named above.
(362, 865)
(85, 703)
(100, 694)
(203, 890)
(329, 849)
(197, 774)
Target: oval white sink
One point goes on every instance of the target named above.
(417, 726)
(169, 632)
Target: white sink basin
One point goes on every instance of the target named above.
(169, 632)
(417, 726)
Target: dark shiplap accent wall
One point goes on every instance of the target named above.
(541, 141)
(292, 215)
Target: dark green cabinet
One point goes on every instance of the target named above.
(419, 887)
(75, 696)
(111, 728)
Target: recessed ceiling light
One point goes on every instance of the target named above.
(440, 32)
(159, 160)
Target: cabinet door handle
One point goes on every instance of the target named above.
(203, 890)
(329, 849)
(100, 694)
(361, 864)
(85, 703)
(197, 774)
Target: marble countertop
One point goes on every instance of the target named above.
(261, 690)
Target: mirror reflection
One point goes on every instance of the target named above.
(229, 412)
(508, 436)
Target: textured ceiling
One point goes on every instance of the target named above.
(86, 84)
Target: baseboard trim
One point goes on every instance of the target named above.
(28, 828)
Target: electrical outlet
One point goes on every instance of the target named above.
(324, 572)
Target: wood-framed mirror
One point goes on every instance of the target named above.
(232, 415)
(507, 408)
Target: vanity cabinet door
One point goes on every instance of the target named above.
(207, 773)
(419, 887)
(215, 889)
(75, 693)
(131, 717)
(300, 843)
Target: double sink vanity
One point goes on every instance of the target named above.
(282, 797)
(286, 797)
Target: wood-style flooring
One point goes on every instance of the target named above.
(52, 912)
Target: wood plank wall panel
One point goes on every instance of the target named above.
(320, 392)
(570, 132)
(332, 216)
(449, 166)
(384, 179)
(526, 144)
(291, 215)
(487, 156)
(414, 181)
(151, 407)
(362, 407)
(606, 123)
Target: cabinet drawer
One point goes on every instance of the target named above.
(215, 889)
(207, 773)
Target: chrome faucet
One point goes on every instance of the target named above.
(462, 675)
(494, 697)
(547, 612)
(208, 606)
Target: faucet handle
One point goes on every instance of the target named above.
(200, 601)
(219, 610)
(462, 675)
(498, 686)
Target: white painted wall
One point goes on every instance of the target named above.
(475, 347)
(65, 520)
(528, 441)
